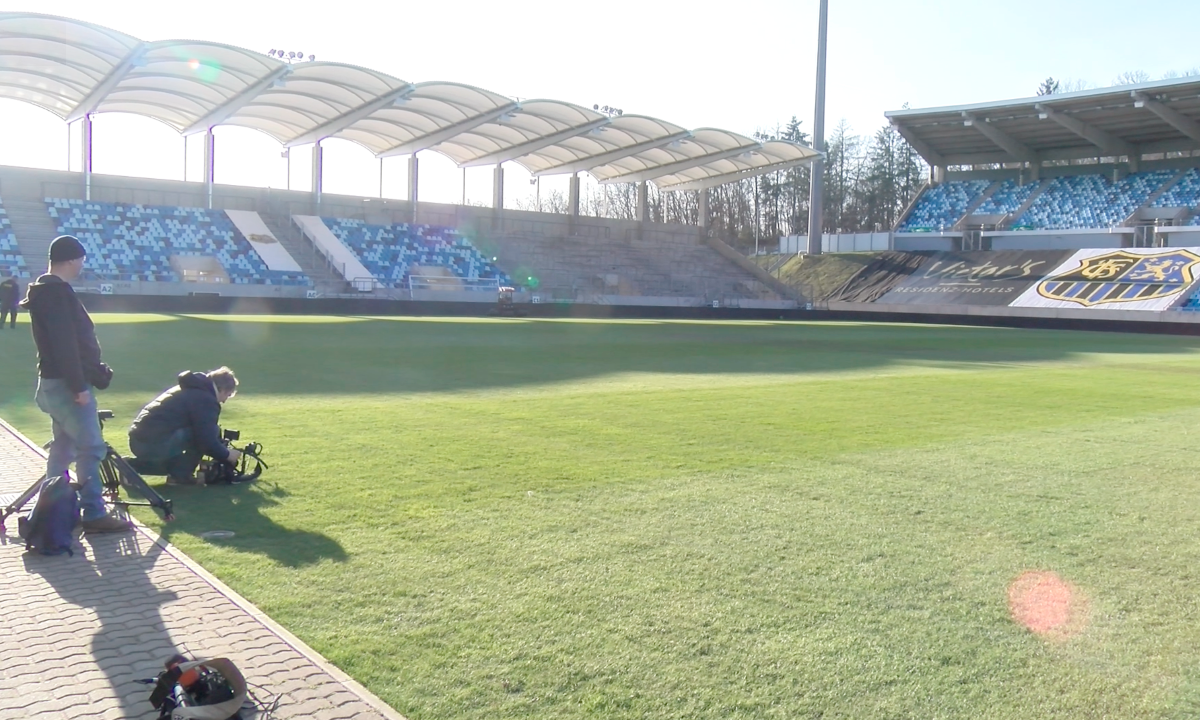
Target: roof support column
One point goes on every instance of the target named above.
(816, 202)
(318, 172)
(573, 196)
(498, 188)
(643, 201)
(210, 148)
(87, 157)
(498, 198)
(573, 203)
(412, 186)
(703, 214)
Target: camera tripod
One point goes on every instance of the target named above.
(115, 473)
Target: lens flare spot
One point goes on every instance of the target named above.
(1042, 602)
(194, 64)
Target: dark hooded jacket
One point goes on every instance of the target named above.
(64, 335)
(190, 404)
(9, 293)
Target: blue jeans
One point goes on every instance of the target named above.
(76, 437)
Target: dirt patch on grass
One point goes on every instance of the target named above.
(1047, 605)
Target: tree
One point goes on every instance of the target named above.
(1049, 86)
(1132, 77)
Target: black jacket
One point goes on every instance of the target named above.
(9, 293)
(64, 335)
(190, 404)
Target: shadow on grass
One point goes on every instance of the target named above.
(239, 508)
(331, 355)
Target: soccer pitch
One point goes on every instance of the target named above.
(643, 519)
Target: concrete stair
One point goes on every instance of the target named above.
(34, 228)
(570, 267)
(324, 278)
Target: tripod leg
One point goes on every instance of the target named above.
(15, 506)
(133, 481)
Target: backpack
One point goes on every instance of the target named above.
(49, 529)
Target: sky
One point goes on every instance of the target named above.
(743, 66)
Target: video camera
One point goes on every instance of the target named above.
(246, 469)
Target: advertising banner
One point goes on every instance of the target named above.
(975, 278)
(1127, 279)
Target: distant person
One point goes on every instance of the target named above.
(69, 367)
(179, 427)
(10, 293)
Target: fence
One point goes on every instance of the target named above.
(838, 243)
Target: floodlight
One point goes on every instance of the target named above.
(271, 52)
(291, 55)
(300, 54)
(312, 57)
(620, 112)
(595, 107)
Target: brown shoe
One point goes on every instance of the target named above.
(106, 524)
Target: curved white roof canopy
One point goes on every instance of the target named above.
(74, 69)
(699, 148)
(618, 138)
(531, 126)
(772, 156)
(54, 63)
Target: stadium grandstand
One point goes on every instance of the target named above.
(161, 237)
(1080, 204)
(1115, 167)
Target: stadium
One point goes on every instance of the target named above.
(558, 464)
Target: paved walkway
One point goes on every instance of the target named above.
(77, 632)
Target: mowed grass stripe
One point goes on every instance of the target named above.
(558, 519)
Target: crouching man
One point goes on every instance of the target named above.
(179, 427)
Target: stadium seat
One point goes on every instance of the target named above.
(137, 242)
(942, 206)
(1008, 198)
(12, 263)
(389, 252)
(1090, 201)
(1185, 193)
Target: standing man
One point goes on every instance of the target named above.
(68, 368)
(10, 293)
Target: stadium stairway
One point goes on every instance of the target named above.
(34, 229)
(988, 192)
(314, 266)
(573, 267)
(1029, 201)
(1166, 188)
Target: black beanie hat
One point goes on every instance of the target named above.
(66, 247)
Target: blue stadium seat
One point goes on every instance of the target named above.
(136, 242)
(1090, 201)
(12, 263)
(1185, 193)
(941, 207)
(390, 251)
(1008, 198)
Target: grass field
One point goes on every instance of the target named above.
(558, 519)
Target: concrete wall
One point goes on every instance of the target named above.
(912, 243)
(1030, 240)
(838, 243)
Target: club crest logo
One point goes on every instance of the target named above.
(1120, 276)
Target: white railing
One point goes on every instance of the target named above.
(444, 282)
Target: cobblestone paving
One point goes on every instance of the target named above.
(76, 633)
